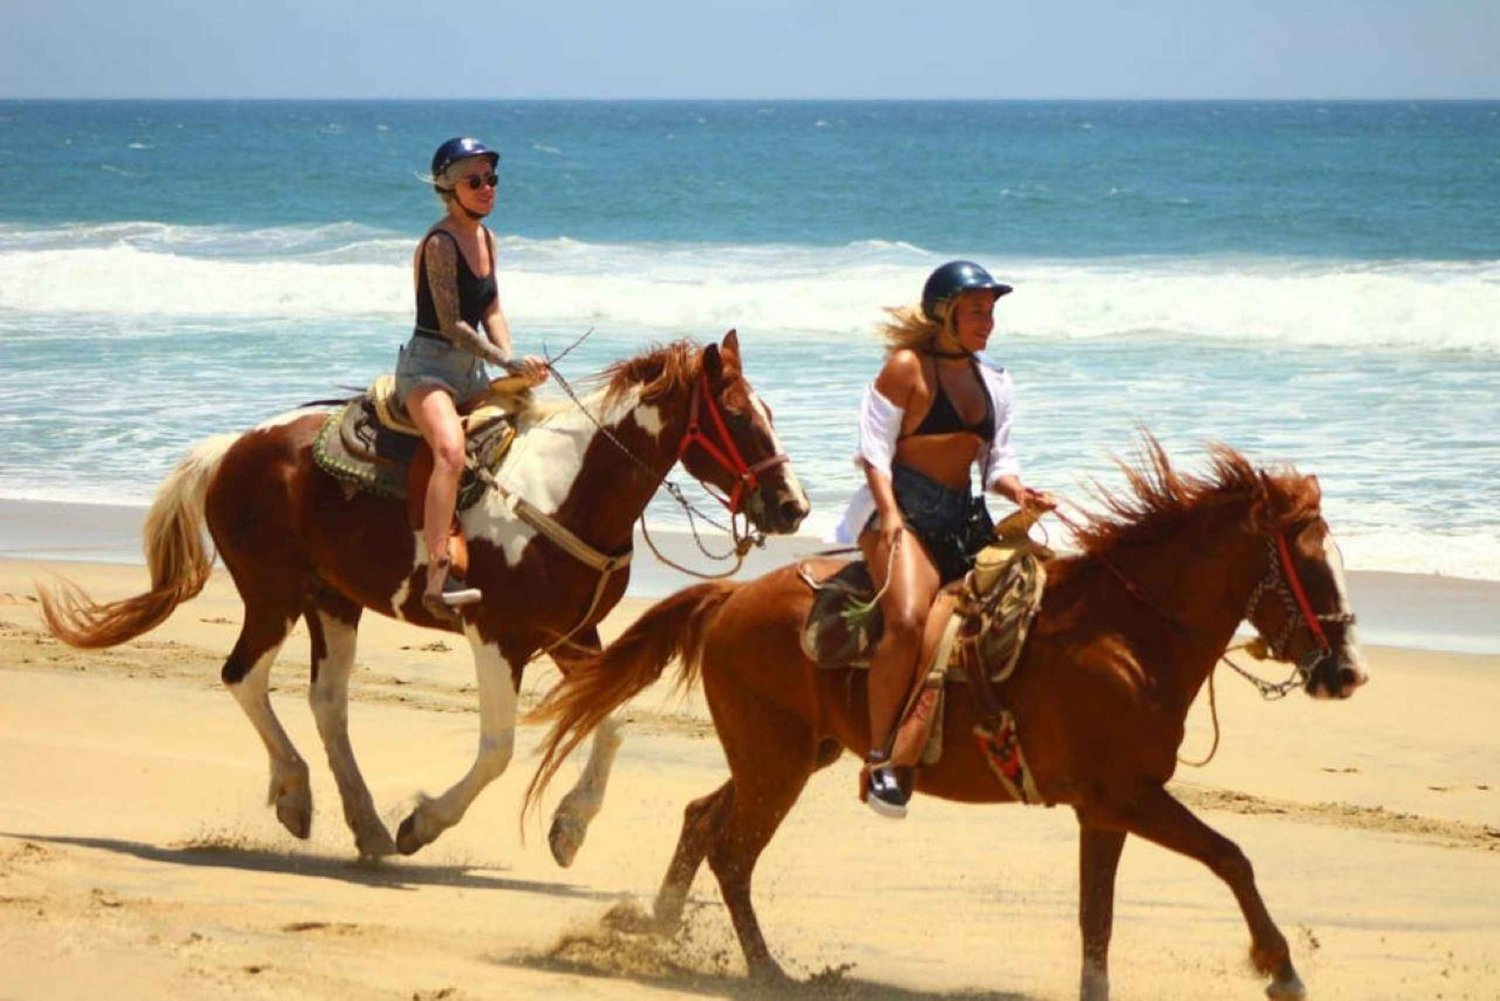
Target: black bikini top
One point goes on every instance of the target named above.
(942, 417)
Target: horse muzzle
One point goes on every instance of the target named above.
(1333, 675)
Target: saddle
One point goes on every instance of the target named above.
(976, 631)
(370, 444)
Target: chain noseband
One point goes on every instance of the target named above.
(1283, 580)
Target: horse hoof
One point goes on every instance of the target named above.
(1289, 989)
(407, 838)
(374, 846)
(295, 814)
(768, 973)
(565, 838)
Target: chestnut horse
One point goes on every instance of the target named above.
(298, 545)
(1128, 631)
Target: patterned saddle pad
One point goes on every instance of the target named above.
(368, 443)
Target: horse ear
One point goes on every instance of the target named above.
(732, 343)
(730, 351)
(713, 364)
(1315, 491)
(1263, 517)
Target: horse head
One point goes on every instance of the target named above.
(731, 446)
(1300, 608)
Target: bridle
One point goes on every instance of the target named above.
(724, 451)
(1282, 579)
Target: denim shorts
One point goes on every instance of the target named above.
(426, 360)
(952, 524)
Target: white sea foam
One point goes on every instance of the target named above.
(351, 270)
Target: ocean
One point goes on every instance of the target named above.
(1313, 283)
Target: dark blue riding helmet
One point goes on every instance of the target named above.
(953, 278)
(460, 148)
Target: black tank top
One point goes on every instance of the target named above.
(474, 293)
(942, 417)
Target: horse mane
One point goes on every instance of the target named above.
(1161, 500)
(661, 370)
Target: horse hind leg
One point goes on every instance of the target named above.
(333, 626)
(1157, 816)
(247, 674)
(570, 822)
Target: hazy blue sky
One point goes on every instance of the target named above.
(749, 48)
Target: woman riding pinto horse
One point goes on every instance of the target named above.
(1127, 633)
(549, 548)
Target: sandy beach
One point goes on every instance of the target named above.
(138, 860)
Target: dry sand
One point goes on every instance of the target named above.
(138, 860)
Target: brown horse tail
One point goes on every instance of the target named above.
(176, 554)
(597, 686)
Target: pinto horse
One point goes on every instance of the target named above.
(1128, 631)
(298, 545)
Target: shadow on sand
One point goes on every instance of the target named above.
(391, 874)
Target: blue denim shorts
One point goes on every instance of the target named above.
(952, 524)
(426, 360)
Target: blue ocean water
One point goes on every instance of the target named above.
(1311, 282)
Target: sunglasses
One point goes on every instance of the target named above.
(475, 181)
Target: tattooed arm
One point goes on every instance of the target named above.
(442, 278)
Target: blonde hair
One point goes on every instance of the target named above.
(909, 328)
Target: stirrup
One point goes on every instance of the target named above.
(453, 594)
(883, 791)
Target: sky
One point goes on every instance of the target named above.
(999, 49)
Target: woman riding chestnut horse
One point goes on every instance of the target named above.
(933, 412)
(1128, 631)
(549, 547)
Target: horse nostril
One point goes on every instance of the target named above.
(1350, 677)
(792, 512)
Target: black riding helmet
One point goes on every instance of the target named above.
(460, 148)
(953, 278)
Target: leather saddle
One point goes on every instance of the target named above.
(989, 611)
(370, 444)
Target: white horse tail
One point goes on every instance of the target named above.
(177, 554)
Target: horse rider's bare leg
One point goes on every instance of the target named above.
(1155, 815)
(893, 664)
(247, 674)
(1098, 860)
(700, 825)
(570, 822)
(333, 627)
(497, 741)
(433, 411)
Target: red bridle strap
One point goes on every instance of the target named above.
(724, 451)
(1289, 570)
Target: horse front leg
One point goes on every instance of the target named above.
(333, 630)
(1098, 861)
(570, 822)
(497, 742)
(1155, 815)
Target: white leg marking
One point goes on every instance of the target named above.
(570, 823)
(497, 740)
(329, 697)
(289, 790)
